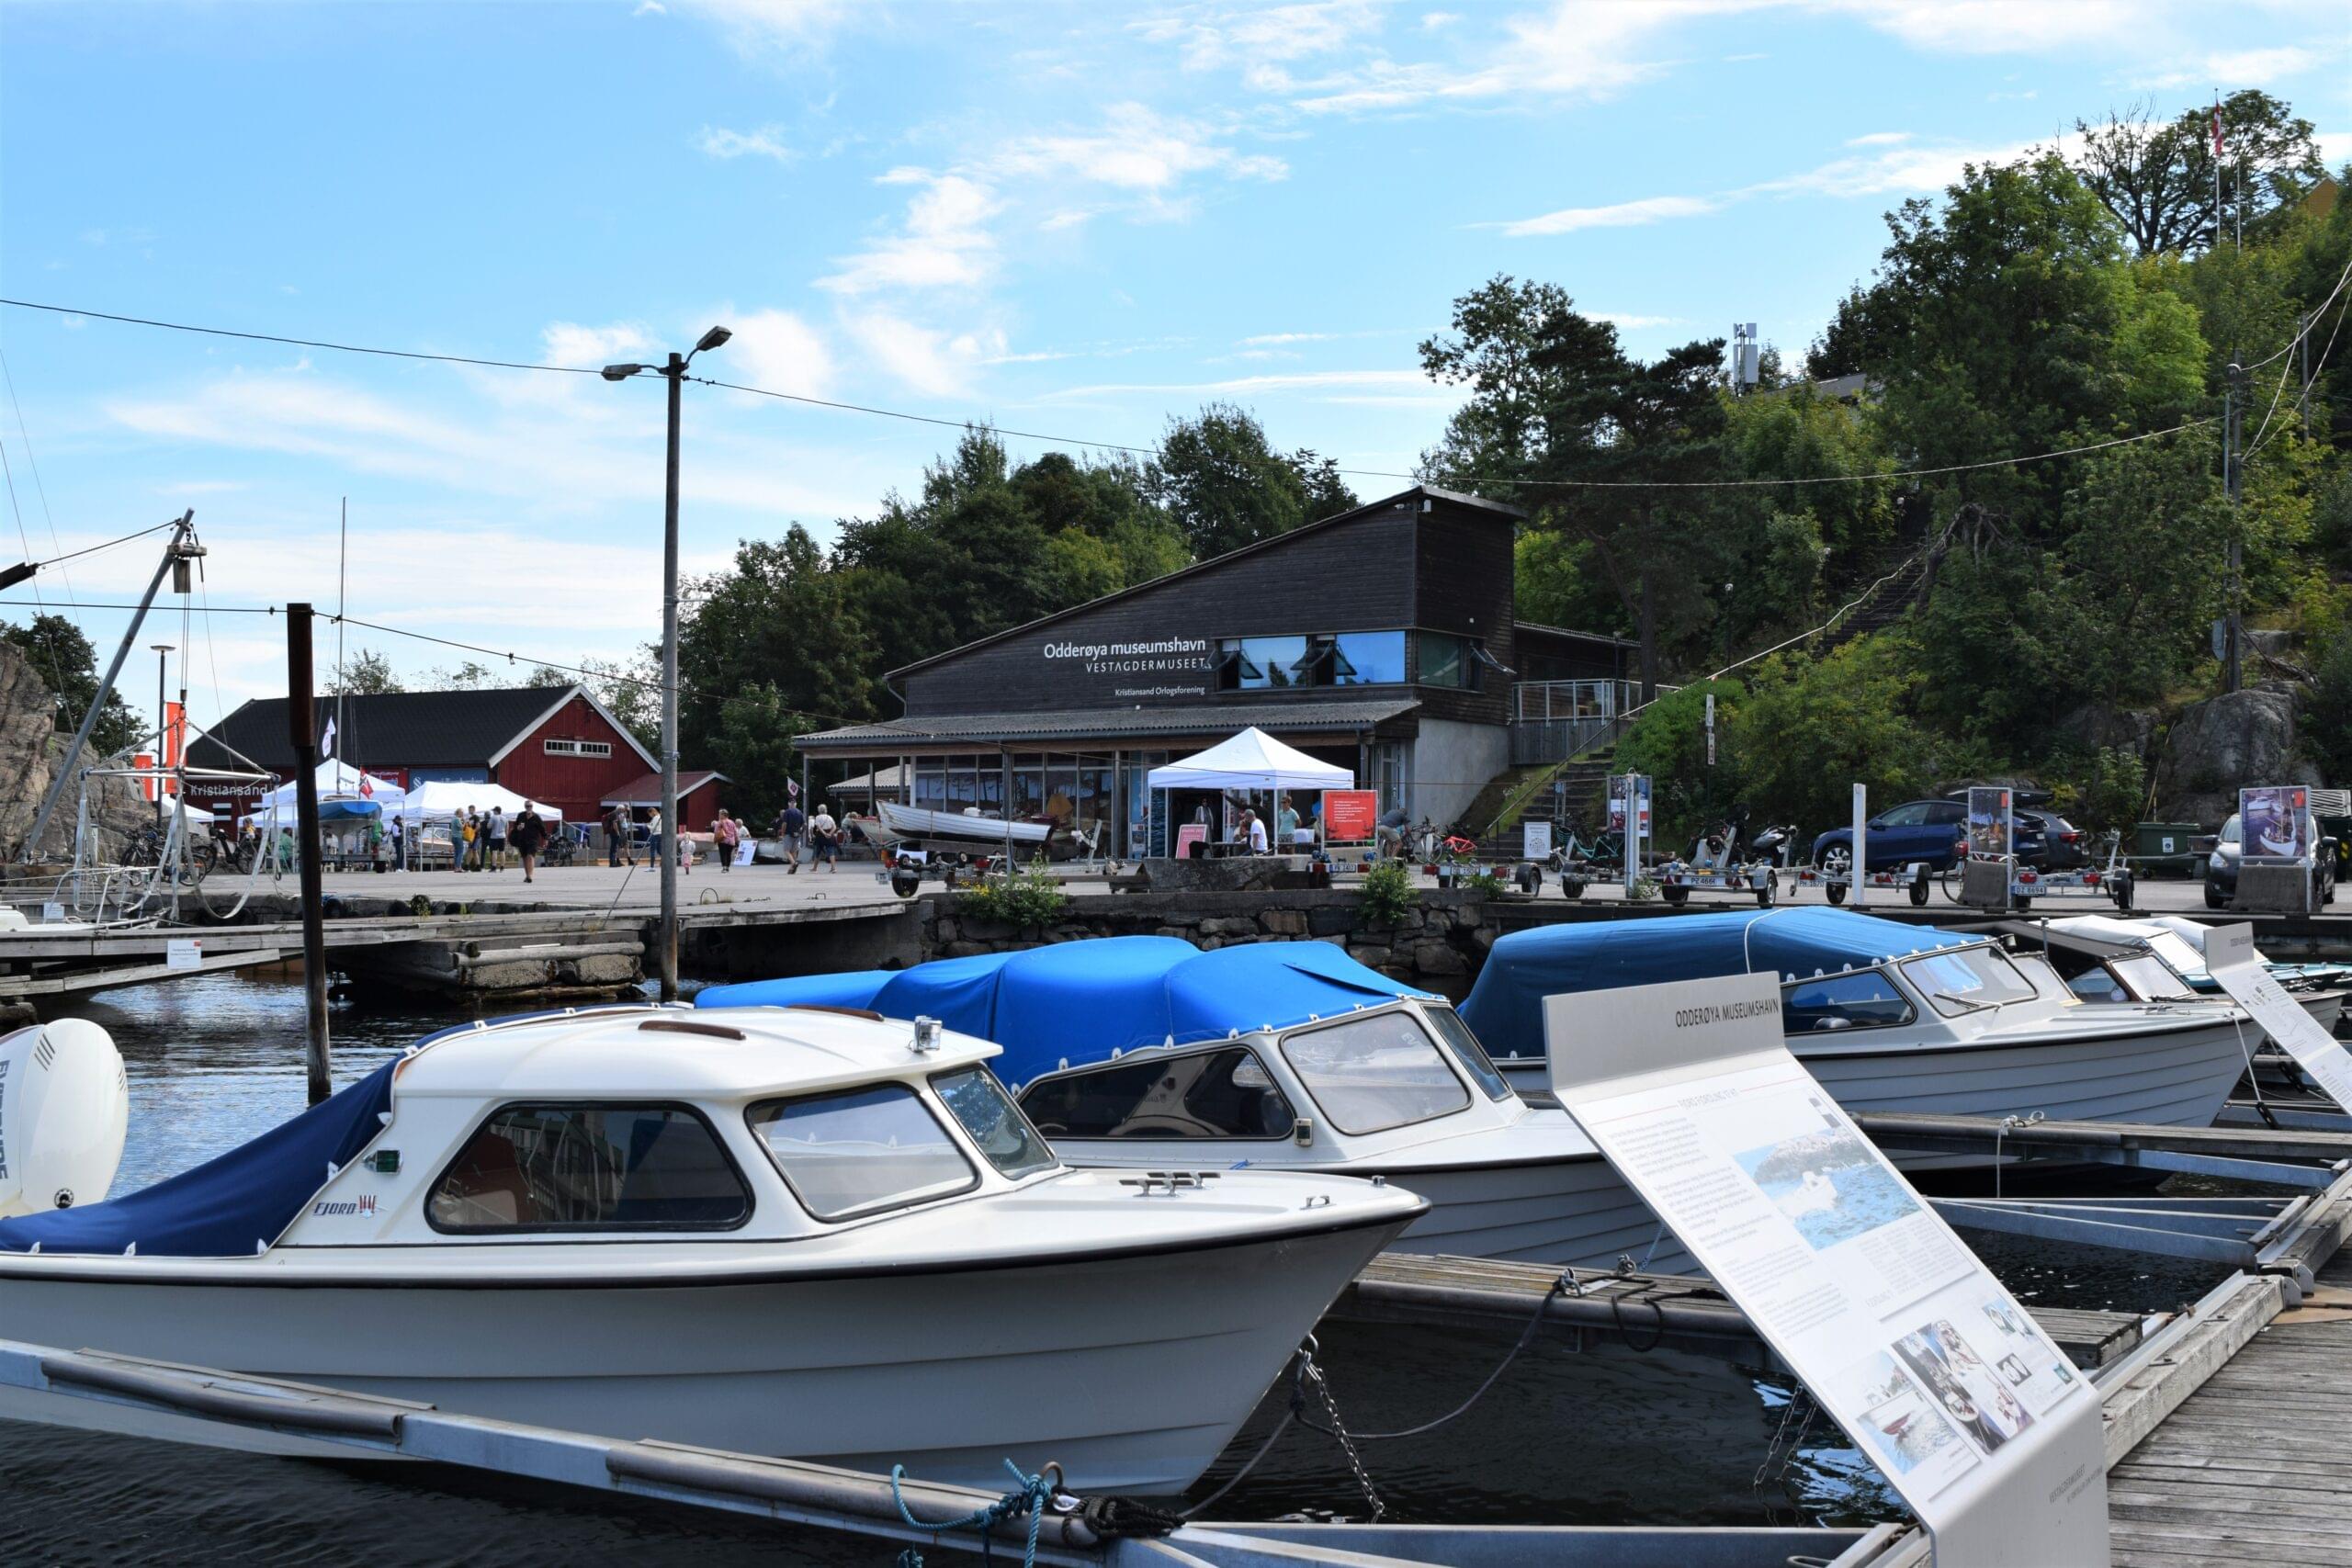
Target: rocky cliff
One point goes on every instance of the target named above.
(29, 752)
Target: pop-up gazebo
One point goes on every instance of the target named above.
(1252, 762)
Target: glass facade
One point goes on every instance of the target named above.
(1330, 658)
(1449, 661)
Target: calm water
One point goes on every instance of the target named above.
(1604, 1436)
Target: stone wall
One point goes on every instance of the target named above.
(1440, 943)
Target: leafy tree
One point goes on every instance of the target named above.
(631, 690)
(2326, 731)
(1810, 729)
(1225, 486)
(472, 675)
(2156, 176)
(366, 673)
(549, 676)
(68, 665)
(1668, 743)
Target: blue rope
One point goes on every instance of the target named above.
(1030, 1498)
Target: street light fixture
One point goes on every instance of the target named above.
(673, 372)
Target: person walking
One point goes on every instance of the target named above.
(1257, 827)
(400, 845)
(529, 834)
(824, 841)
(654, 836)
(616, 837)
(792, 827)
(496, 857)
(455, 834)
(727, 833)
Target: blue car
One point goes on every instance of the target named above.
(1916, 831)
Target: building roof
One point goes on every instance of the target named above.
(645, 789)
(1540, 629)
(407, 729)
(1428, 493)
(1198, 718)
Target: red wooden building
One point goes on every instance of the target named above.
(552, 743)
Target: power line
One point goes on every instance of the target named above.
(876, 411)
(302, 341)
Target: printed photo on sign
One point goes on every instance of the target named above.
(1908, 1434)
(2038, 1369)
(1971, 1393)
(1988, 822)
(2273, 823)
(1830, 1184)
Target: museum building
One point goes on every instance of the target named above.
(1382, 640)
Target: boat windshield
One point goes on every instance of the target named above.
(1968, 979)
(1004, 1134)
(1864, 999)
(1371, 1075)
(1467, 1050)
(2151, 981)
(2178, 952)
(861, 1151)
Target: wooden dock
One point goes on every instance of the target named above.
(2254, 1467)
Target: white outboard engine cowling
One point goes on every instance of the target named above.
(64, 1106)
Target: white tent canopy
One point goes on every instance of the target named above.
(441, 799)
(337, 780)
(1252, 760)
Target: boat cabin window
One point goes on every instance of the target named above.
(2177, 951)
(1469, 1053)
(1004, 1135)
(1223, 1093)
(1865, 999)
(1963, 980)
(1371, 1073)
(862, 1150)
(2152, 980)
(591, 1167)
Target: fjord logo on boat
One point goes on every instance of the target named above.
(362, 1207)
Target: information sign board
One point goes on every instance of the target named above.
(2238, 969)
(1982, 1423)
(1991, 825)
(1349, 816)
(1536, 839)
(2274, 823)
(51, 913)
(1188, 835)
(184, 952)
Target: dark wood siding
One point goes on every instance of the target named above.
(1357, 575)
(1465, 585)
(573, 785)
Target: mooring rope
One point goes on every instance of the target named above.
(1032, 1496)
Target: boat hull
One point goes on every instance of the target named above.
(1133, 1371)
(1567, 1212)
(920, 822)
(2179, 1078)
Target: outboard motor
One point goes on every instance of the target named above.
(64, 1109)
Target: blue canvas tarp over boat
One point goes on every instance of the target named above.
(1506, 1007)
(1079, 1001)
(232, 1206)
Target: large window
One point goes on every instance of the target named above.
(1223, 1093)
(1968, 979)
(1001, 1131)
(591, 1167)
(1864, 1001)
(1343, 658)
(1371, 1073)
(1449, 661)
(850, 1154)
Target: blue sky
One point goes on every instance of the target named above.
(1077, 219)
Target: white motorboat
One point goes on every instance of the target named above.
(776, 1231)
(1140, 1053)
(1889, 1017)
(2177, 947)
(923, 822)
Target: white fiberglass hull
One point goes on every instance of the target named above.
(2177, 1076)
(920, 822)
(1573, 1211)
(1133, 1370)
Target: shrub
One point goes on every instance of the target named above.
(1031, 897)
(1388, 894)
(1485, 884)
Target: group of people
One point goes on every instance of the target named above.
(819, 835)
(479, 841)
(1252, 835)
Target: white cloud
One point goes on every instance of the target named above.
(1244, 386)
(1432, 20)
(581, 347)
(1879, 139)
(651, 9)
(776, 350)
(1998, 27)
(1253, 37)
(943, 242)
(777, 29)
(1266, 339)
(767, 141)
(2334, 148)
(1134, 150)
(924, 360)
(1618, 214)
(1632, 322)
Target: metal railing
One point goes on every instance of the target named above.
(1548, 701)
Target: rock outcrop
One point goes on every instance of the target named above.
(2223, 744)
(29, 752)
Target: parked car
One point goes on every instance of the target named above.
(1917, 830)
(2049, 840)
(2221, 865)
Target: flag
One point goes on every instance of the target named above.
(175, 741)
(326, 743)
(367, 787)
(2217, 133)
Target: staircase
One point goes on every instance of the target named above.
(1580, 784)
(1892, 600)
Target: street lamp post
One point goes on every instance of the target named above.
(675, 372)
(163, 727)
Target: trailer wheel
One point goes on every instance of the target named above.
(1918, 892)
(2022, 902)
(1837, 891)
(2120, 886)
(1572, 887)
(1678, 896)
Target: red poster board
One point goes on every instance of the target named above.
(1187, 835)
(1349, 816)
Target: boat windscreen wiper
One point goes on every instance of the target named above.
(1964, 1001)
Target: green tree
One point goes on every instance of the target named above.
(1809, 729)
(549, 676)
(2156, 176)
(1225, 486)
(1668, 743)
(67, 664)
(366, 673)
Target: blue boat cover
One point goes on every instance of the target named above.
(232, 1206)
(1506, 1007)
(1078, 1001)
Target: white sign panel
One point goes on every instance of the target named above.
(1538, 845)
(2231, 959)
(51, 913)
(184, 952)
(1980, 1421)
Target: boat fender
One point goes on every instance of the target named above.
(64, 1106)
